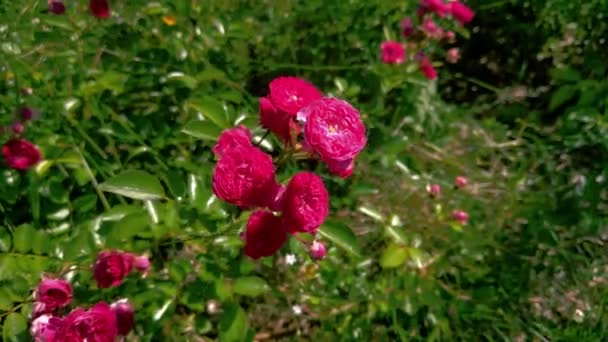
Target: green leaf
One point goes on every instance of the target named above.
(130, 226)
(15, 327)
(205, 130)
(393, 256)
(250, 286)
(233, 324)
(565, 74)
(135, 184)
(211, 109)
(342, 236)
(22, 238)
(561, 96)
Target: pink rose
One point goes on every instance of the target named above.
(450, 36)
(461, 12)
(100, 8)
(125, 318)
(244, 176)
(333, 129)
(431, 29)
(232, 138)
(392, 52)
(20, 154)
(427, 69)
(53, 293)
(45, 328)
(287, 96)
(112, 267)
(17, 128)
(264, 235)
(317, 250)
(434, 189)
(436, 6)
(453, 55)
(56, 7)
(98, 324)
(305, 203)
(461, 181)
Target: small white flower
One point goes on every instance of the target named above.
(290, 259)
(297, 310)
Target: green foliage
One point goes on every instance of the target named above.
(131, 107)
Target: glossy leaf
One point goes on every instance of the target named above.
(135, 184)
(341, 235)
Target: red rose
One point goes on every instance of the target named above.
(244, 176)
(264, 235)
(232, 138)
(45, 328)
(436, 6)
(56, 6)
(461, 12)
(100, 8)
(277, 121)
(98, 324)
(305, 203)
(53, 293)
(334, 130)
(287, 96)
(427, 69)
(392, 52)
(290, 94)
(112, 267)
(125, 318)
(20, 154)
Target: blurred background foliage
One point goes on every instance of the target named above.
(136, 101)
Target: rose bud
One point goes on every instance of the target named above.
(287, 96)
(56, 7)
(141, 264)
(244, 176)
(450, 36)
(21, 154)
(112, 267)
(125, 318)
(45, 328)
(460, 181)
(434, 189)
(461, 12)
(29, 113)
(17, 128)
(317, 250)
(232, 138)
(53, 293)
(305, 203)
(100, 8)
(407, 27)
(431, 29)
(96, 324)
(333, 129)
(427, 69)
(453, 55)
(461, 216)
(264, 235)
(392, 52)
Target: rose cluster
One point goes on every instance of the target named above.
(99, 8)
(423, 31)
(102, 322)
(305, 121)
